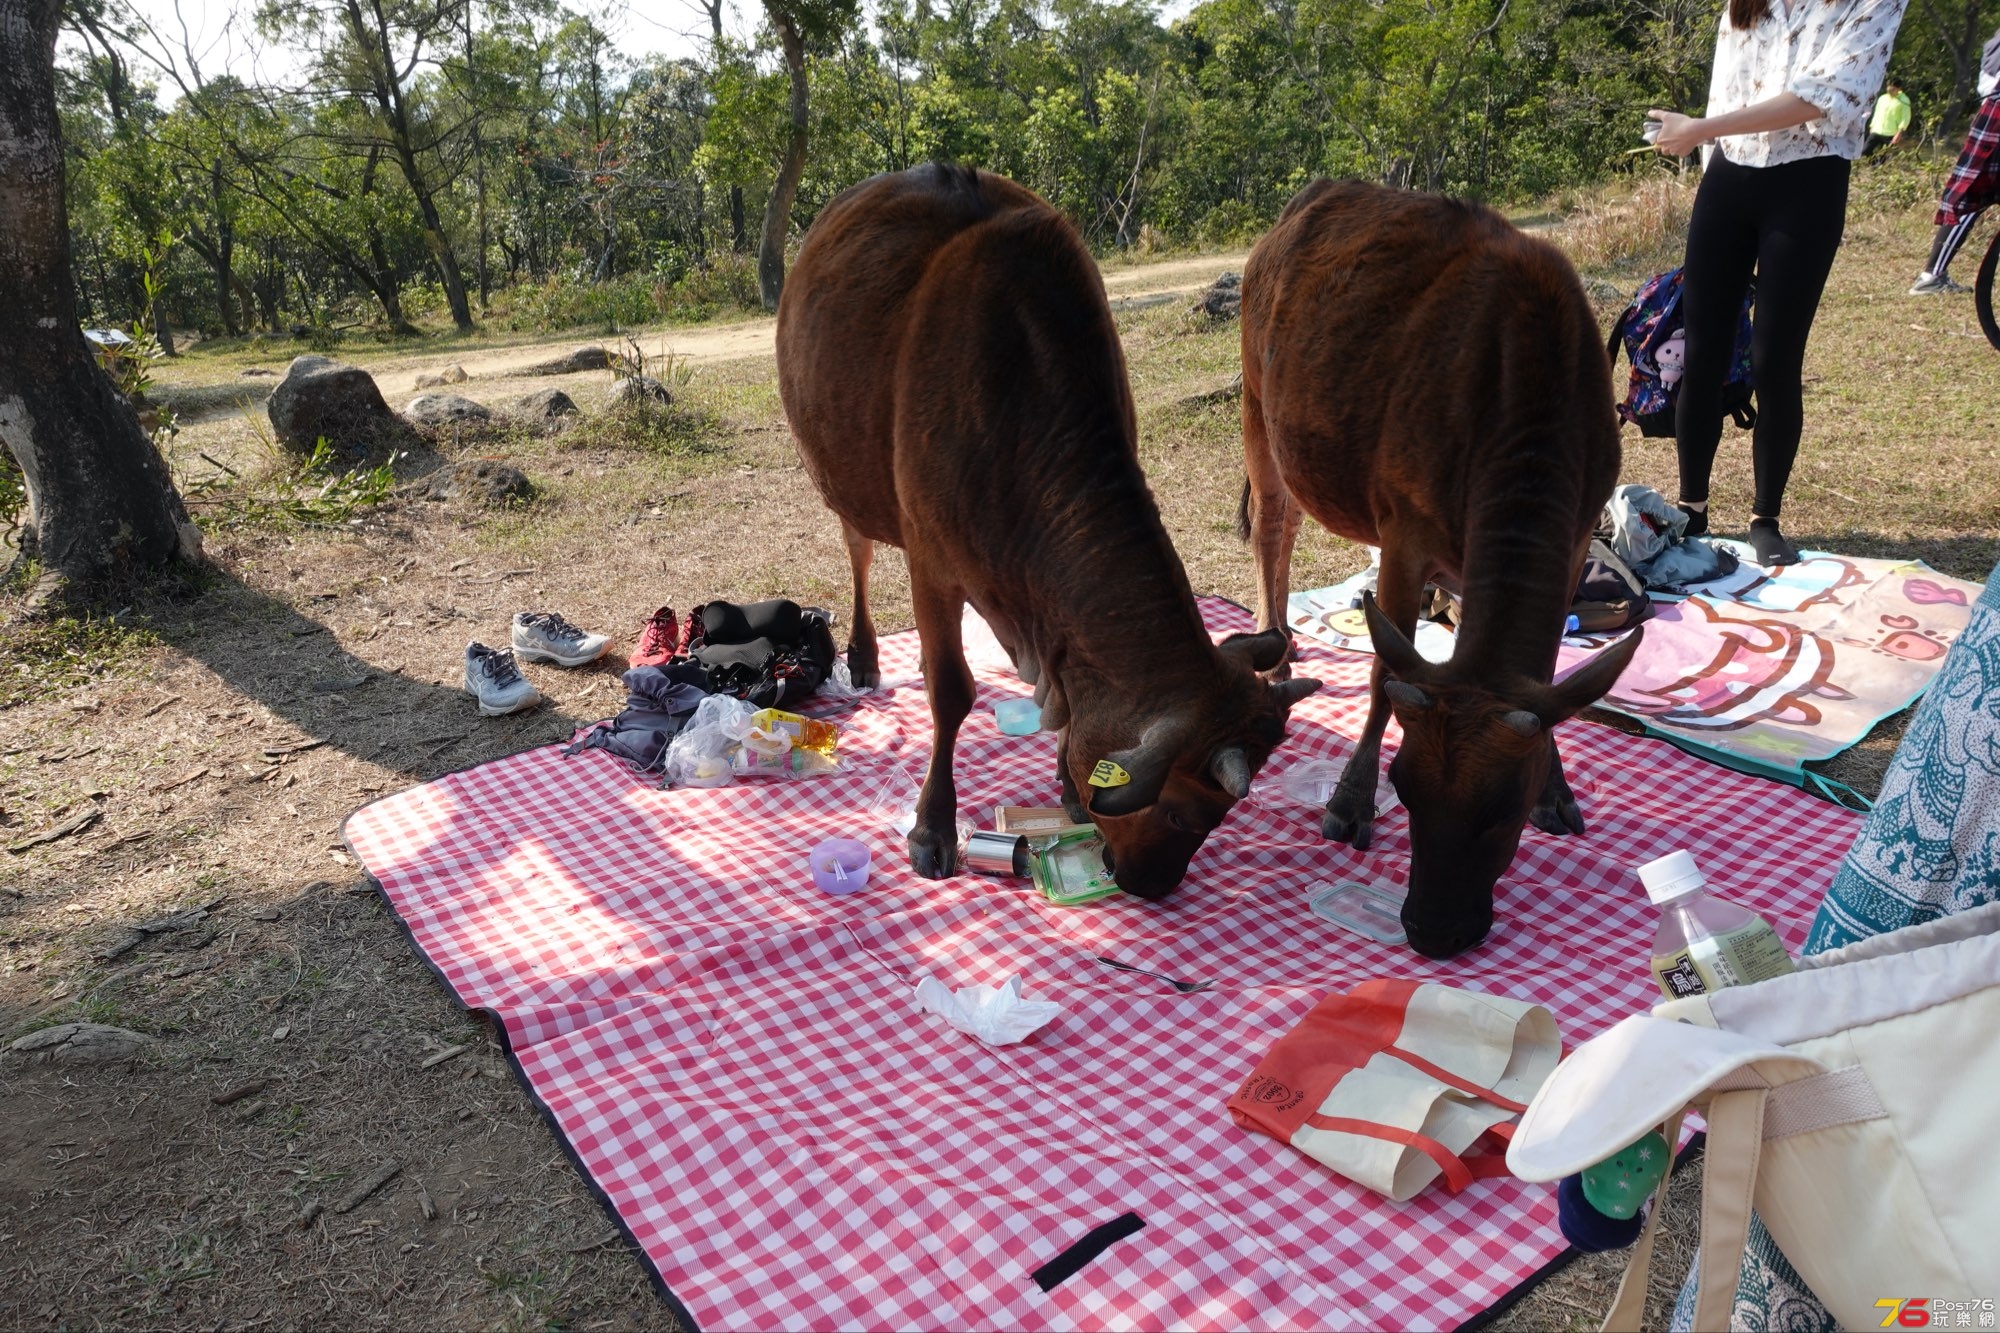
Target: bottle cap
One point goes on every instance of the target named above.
(1674, 875)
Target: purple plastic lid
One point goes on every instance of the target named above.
(840, 865)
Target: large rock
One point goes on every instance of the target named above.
(485, 481)
(638, 389)
(446, 409)
(545, 405)
(83, 1043)
(321, 397)
(583, 358)
(1223, 300)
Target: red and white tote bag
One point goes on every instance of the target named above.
(1394, 1083)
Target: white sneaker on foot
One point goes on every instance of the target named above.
(544, 636)
(492, 677)
(1928, 285)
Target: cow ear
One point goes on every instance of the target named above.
(1131, 780)
(1397, 653)
(1263, 650)
(1589, 682)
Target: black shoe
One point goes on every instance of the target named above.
(1772, 547)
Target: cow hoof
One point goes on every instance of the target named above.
(863, 671)
(1561, 818)
(1345, 822)
(934, 855)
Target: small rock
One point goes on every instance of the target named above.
(446, 409)
(451, 374)
(638, 389)
(1601, 292)
(83, 1043)
(545, 405)
(1222, 301)
(484, 481)
(583, 358)
(266, 914)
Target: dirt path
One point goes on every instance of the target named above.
(709, 344)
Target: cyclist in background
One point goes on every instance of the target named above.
(1974, 183)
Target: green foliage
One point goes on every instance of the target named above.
(596, 191)
(310, 494)
(676, 430)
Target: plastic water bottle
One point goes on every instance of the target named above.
(1705, 943)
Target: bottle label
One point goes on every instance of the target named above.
(1678, 977)
(1751, 952)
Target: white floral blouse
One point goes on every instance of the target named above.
(1831, 53)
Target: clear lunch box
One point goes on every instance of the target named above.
(1369, 912)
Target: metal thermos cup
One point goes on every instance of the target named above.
(997, 853)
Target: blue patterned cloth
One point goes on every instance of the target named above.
(1929, 848)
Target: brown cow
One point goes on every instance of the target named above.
(955, 387)
(1421, 376)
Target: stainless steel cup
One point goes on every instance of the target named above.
(997, 853)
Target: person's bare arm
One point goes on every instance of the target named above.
(1681, 135)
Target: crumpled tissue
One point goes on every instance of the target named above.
(997, 1015)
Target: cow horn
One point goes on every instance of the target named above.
(1588, 683)
(1289, 692)
(1406, 696)
(1232, 770)
(1521, 722)
(1392, 647)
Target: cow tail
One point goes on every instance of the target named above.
(1243, 513)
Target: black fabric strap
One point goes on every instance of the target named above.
(1067, 1264)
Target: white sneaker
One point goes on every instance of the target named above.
(544, 636)
(1928, 285)
(492, 678)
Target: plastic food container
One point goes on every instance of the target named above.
(1070, 868)
(1369, 912)
(1311, 782)
(1018, 717)
(840, 865)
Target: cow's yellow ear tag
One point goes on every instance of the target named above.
(1108, 774)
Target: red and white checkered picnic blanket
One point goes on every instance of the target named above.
(737, 1061)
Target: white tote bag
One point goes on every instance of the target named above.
(1854, 1103)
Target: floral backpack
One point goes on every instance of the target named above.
(1649, 329)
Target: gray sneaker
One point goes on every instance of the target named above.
(544, 636)
(1934, 286)
(492, 677)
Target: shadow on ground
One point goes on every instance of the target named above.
(395, 714)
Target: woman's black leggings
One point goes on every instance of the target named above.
(1785, 223)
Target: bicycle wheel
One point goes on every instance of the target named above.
(1982, 292)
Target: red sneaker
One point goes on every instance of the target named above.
(659, 640)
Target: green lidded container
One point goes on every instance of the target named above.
(1069, 868)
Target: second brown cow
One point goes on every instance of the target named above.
(1421, 376)
(955, 387)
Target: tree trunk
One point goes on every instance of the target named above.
(778, 209)
(100, 498)
(738, 240)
